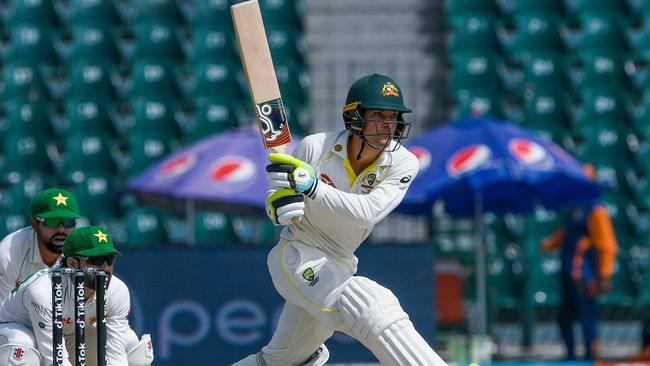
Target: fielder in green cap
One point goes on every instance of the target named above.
(25, 316)
(54, 213)
(340, 183)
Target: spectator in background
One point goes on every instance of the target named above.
(32, 248)
(644, 353)
(588, 253)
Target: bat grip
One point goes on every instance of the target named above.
(283, 150)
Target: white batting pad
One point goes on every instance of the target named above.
(142, 353)
(377, 320)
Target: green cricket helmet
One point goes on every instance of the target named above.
(375, 92)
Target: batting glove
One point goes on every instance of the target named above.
(283, 205)
(285, 171)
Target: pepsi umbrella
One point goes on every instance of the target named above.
(479, 165)
(224, 172)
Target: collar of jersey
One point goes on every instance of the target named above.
(384, 159)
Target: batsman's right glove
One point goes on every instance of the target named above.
(285, 171)
(283, 205)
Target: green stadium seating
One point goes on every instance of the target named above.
(92, 44)
(503, 289)
(286, 45)
(31, 46)
(473, 73)
(546, 108)
(609, 167)
(158, 42)
(601, 70)
(293, 82)
(212, 44)
(473, 35)
(23, 118)
(156, 11)
(287, 12)
(37, 13)
(145, 150)
(606, 7)
(152, 116)
(608, 104)
(209, 13)
(479, 103)
(87, 154)
(100, 13)
(23, 156)
(555, 7)
(212, 116)
(23, 82)
(545, 279)
(623, 290)
(542, 224)
(545, 71)
(96, 197)
(214, 228)
(19, 196)
(641, 44)
(214, 79)
(600, 34)
(460, 8)
(86, 115)
(89, 80)
(152, 79)
(11, 222)
(144, 227)
(536, 33)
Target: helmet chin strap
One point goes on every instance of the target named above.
(363, 145)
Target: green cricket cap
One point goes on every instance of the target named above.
(89, 241)
(55, 202)
(376, 92)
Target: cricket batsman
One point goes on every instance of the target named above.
(341, 184)
(26, 337)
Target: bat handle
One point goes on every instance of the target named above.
(296, 220)
(283, 150)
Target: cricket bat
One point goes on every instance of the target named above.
(262, 82)
(258, 67)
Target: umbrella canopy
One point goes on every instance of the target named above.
(510, 167)
(225, 172)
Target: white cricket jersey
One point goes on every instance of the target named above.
(19, 258)
(346, 206)
(31, 305)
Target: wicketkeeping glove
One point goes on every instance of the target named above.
(285, 171)
(283, 205)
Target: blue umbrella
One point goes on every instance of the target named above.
(512, 168)
(479, 165)
(224, 172)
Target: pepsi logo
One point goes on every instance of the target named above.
(468, 159)
(176, 166)
(232, 169)
(527, 151)
(423, 155)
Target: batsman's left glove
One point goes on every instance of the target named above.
(285, 171)
(283, 205)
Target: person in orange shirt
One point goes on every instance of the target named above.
(588, 253)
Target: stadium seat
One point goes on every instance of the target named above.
(545, 280)
(156, 11)
(546, 108)
(144, 227)
(600, 33)
(89, 80)
(212, 116)
(609, 104)
(210, 13)
(11, 222)
(157, 42)
(23, 118)
(545, 71)
(503, 289)
(554, 7)
(601, 71)
(92, 44)
(152, 116)
(23, 156)
(151, 79)
(286, 45)
(87, 154)
(212, 44)
(287, 12)
(473, 35)
(535, 33)
(479, 103)
(19, 196)
(86, 115)
(459, 8)
(145, 150)
(31, 46)
(214, 228)
(606, 7)
(610, 169)
(96, 197)
(293, 82)
(23, 82)
(37, 13)
(100, 13)
(214, 79)
(542, 223)
(473, 73)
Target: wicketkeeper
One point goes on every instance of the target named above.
(26, 315)
(341, 184)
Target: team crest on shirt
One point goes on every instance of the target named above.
(18, 353)
(367, 182)
(310, 276)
